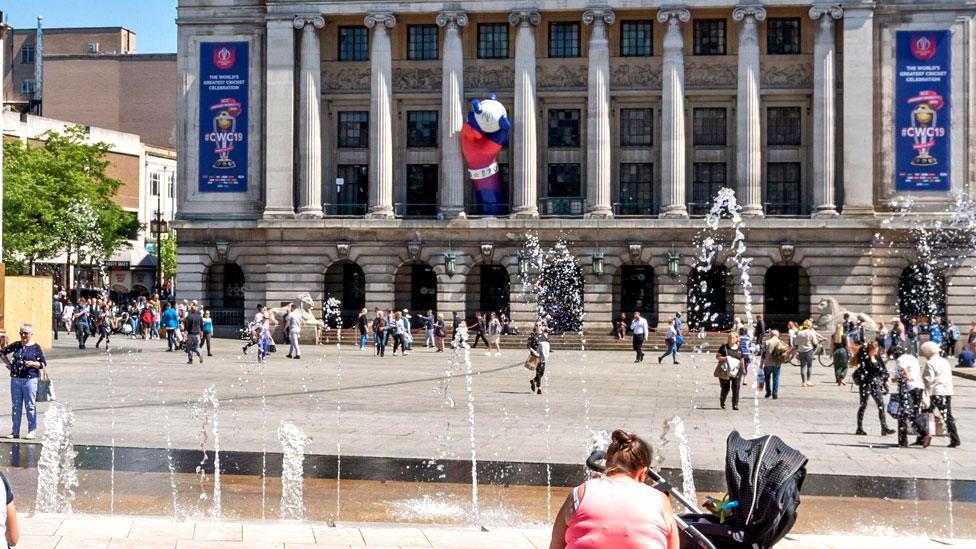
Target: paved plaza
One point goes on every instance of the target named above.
(417, 406)
(51, 531)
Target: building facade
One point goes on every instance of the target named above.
(627, 117)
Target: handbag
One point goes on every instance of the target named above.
(678, 340)
(531, 363)
(895, 405)
(45, 389)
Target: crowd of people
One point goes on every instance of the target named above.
(397, 328)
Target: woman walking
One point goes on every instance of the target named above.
(207, 330)
(671, 343)
(439, 330)
(494, 334)
(28, 359)
(362, 324)
(871, 377)
(264, 336)
(729, 370)
(379, 333)
(938, 384)
(840, 353)
(396, 326)
(538, 345)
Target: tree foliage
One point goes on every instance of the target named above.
(58, 199)
(167, 253)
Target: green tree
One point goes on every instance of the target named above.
(167, 253)
(58, 199)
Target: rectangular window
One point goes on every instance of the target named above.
(154, 180)
(564, 181)
(636, 189)
(564, 39)
(709, 178)
(353, 44)
(27, 55)
(493, 41)
(564, 128)
(353, 130)
(783, 36)
(709, 37)
(421, 128)
(709, 126)
(421, 190)
(171, 184)
(783, 196)
(351, 194)
(783, 126)
(421, 42)
(27, 87)
(636, 128)
(636, 39)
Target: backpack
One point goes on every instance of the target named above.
(781, 353)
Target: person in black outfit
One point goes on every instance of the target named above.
(379, 333)
(910, 389)
(538, 344)
(479, 327)
(193, 323)
(729, 376)
(870, 377)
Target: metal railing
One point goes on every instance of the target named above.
(227, 316)
(784, 208)
(634, 208)
(481, 210)
(344, 210)
(415, 210)
(568, 207)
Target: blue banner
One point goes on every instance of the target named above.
(223, 117)
(922, 110)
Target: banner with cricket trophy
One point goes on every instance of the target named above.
(223, 117)
(922, 110)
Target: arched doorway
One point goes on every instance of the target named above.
(415, 289)
(487, 289)
(921, 293)
(634, 291)
(561, 297)
(225, 293)
(787, 295)
(345, 281)
(710, 303)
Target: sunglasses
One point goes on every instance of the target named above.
(25, 333)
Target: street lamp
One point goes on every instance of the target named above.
(523, 263)
(158, 226)
(674, 263)
(450, 263)
(598, 263)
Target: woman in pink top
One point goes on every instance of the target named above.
(617, 510)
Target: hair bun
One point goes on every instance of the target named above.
(622, 438)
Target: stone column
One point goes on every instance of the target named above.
(279, 167)
(673, 191)
(524, 148)
(748, 157)
(824, 95)
(858, 111)
(309, 117)
(381, 117)
(451, 186)
(598, 114)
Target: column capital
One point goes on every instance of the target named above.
(452, 19)
(524, 18)
(833, 10)
(593, 14)
(384, 19)
(754, 11)
(315, 20)
(673, 15)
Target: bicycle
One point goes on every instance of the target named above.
(820, 352)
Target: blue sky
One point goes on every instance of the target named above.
(153, 21)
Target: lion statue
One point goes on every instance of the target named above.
(831, 313)
(302, 302)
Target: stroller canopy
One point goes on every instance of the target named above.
(765, 476)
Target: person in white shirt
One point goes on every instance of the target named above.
(938, 383)
(671, 341)
(638, 327)
(293, 329)
(908, 374)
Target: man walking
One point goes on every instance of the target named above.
(638, 327)
(479, 328)
(293, 329)
(171, 321)
(193, 323)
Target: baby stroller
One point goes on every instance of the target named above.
(763, 475)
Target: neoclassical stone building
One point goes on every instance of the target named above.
(627, 117)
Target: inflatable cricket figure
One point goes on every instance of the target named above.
(483, 135)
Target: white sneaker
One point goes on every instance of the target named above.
(30, 436)
(10, 436)
(488, 353)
